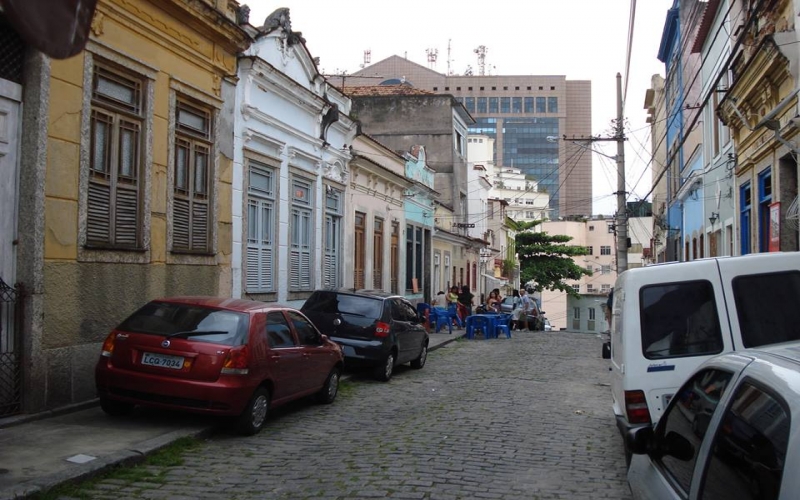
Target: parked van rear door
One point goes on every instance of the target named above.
(763, 291)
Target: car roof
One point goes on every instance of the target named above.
(378, 294)
(240, 305)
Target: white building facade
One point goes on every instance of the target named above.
(292, 136)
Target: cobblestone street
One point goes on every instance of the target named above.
(522, 418)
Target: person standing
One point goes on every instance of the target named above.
(526, 304)
(465, 302)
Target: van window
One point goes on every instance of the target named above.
(679, 320)
(767, 307)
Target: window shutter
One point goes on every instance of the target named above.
(126, 216)
(259, 273)
(331, 272)
(200, 226)
(98, 217)
(180, 223)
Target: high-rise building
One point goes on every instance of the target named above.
(528, 116)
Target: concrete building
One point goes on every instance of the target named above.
(655, 104)
(764, 126)
(684, 214)
(520, 112)
(124, 168)
(401, 117)
(584, 314)
(526, 202)
(377, 209)
(290, 177)
(720, 157)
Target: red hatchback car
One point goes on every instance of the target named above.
(216, 356)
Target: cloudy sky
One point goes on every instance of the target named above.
(582, 39)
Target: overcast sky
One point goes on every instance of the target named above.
(581, 39)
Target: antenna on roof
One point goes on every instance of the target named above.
(481, 51)
(448, 56)
(432, 55)
(367, 58)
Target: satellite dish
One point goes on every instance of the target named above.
(58, 28)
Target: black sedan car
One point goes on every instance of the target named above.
(374, 328)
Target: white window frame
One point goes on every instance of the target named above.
(262, 220)
(301, 234)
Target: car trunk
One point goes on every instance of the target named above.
(176, 357)
(345, 316)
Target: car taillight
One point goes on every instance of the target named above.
(381, 329)
(636, 407)
(108, 345)
(236, 361)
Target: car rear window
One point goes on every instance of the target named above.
(189, 321)
(766, 305)
(340, 303)
(679, 319)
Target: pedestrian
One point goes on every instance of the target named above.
(452, 295)
(465, 302)
(609, 305)
(493, 302)
(526, 304)
(440, 301)
(516, 310)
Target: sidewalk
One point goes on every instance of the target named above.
(38, 452)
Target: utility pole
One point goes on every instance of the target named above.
(622, 215)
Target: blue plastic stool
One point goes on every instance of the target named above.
(501, 326)
(479, 322)
(439, 318)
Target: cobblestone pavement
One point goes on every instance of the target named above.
(521, 418)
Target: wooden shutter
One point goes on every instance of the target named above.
(377, 255)
(259, 271)
(330, 265)
(360, 251)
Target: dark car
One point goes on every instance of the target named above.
(374, 328)
(216, 356)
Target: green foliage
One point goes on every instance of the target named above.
(547, 259)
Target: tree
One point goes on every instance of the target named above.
(546, 259)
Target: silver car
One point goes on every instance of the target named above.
(732, 431)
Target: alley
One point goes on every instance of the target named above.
(522, 418)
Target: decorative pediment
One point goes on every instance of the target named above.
(336, 172)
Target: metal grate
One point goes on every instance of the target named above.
(10, 364)
(12, 52)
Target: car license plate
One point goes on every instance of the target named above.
(162, 360)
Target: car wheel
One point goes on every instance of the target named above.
(327, 394)
(383, 372)
(420, 361)
(116, 408)
(255, 413)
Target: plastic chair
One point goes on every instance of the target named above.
(424, 311)
(439, 318)
(479, 322)
(501, 325)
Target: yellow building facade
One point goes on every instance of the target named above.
(133, 181)
(761, 107)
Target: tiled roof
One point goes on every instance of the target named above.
(709, 14)
(383, 90)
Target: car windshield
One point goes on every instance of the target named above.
(353, 305)
(189, 321)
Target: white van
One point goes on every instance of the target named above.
(669, 318)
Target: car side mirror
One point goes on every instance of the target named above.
(639, 440)
(642, 441)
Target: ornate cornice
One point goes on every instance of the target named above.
(212, 23)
